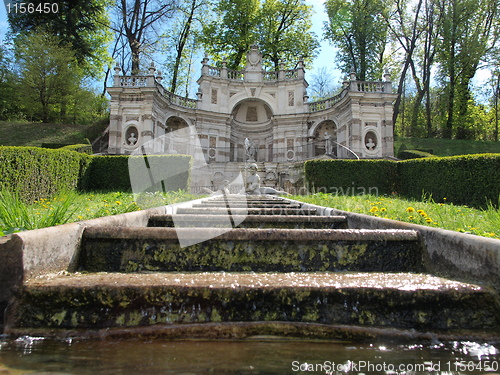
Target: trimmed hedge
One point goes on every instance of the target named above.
(413, 154)
(351, 177)
(83, 148)
(112, 172)
(472, 180)
(36, 173)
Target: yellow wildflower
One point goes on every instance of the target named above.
(410, 209)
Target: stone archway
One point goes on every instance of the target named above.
(252, 120)
(177, 134)
(325, 136)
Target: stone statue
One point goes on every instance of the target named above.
(328, 144)
(252, 186)
(247, 147)
(370, 145)
(132, 140)
(171, 141)
(225, 187)
(250, 150)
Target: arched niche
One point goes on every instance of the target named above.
(177, 135)
(325, 130)
(252, 119)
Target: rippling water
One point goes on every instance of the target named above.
(32, 355)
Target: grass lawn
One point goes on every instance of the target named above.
(447, 216)
(34, 134)
(15, 216)
(447, 147)
(71, 207)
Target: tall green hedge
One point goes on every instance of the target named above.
(36, 173)
(470, 179)
(112, 172)
(83, 148)
(351, 177)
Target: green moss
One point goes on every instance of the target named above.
(120, 321)
(311, 316)
(215, 316)
(134, 318)
(58, 318)
(367, 318)
(422, 317)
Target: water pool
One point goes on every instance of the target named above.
(34, 355)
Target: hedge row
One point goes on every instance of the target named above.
(83, 148)
(413, 154)
(36, 173)
(157, 172)
(469, 179)
(351, 177)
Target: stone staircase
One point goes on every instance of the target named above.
(283, 266)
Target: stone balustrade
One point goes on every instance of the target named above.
(132, 81)
(353, 86)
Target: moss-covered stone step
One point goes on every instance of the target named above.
(106, 300)
(246, 211)
(245, 205)
(247, 249)
(249, 198)
(251, 221)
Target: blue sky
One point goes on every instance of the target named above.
(325, 58)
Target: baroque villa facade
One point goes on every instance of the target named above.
(252, 115)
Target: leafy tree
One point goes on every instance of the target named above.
(9, 93)
(358, 28)
(230, 35)
(284, 32)
(467, 33)
(82, 25)
(322, 85)
(49, 75)
(140, 23)
(405, 28)
(180, 41)
(280, 27)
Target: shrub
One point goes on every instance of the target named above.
(351, 177)
(472, 180)
(413, 154)
(112, 172)
(35, 173)
(468, 179)
(82, 148)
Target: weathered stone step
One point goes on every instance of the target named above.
(246, 211)
(222, 204)
(107, 300)
(251, 221)
(259, 250)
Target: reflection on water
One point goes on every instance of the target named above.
(32, 355)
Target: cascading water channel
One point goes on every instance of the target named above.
(287, 292)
